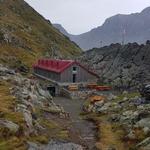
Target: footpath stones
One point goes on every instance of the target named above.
(55, 145)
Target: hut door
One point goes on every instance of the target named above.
(74, 78)
(52, 90)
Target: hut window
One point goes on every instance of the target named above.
(74, 68)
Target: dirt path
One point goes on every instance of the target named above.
(108, 137)
(85, 128)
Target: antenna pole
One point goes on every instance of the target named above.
(123, 37)
(101, 43)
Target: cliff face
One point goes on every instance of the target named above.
(121, 66)
(25, 36)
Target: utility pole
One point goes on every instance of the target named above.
(101, 43)
(123, 36)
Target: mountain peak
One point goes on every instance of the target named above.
(135, 26)
(61, 29)
(146, 10)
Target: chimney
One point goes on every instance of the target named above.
(57, 64)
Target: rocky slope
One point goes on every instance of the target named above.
(122, 120)
(29, 119)
(121, 66)
(135, 26)
(25, 36)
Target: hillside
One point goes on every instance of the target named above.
(29, 118)
(135, 26)
(25, 36)
(121, 66)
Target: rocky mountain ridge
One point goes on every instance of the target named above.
(122, 66)
(116, 29)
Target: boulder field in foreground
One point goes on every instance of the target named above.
(28, 115)
(127, 117)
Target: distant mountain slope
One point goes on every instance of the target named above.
(136, 28)
(61, 29)
(25, 35)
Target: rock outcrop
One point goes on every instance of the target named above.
(29, 95)
(121, 66)
(129, 112)
(25, 113)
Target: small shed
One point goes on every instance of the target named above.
(64, 71)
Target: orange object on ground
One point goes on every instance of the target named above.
(97, 98)
(91, 85)
(103, 88)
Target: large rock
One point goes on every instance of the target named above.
(5, 71)
(145, 122)
(145, 144)
(28, 119)
(104, 108)
(131, 135)
(10, 125)
(145, 92)
(111, 97)
(124, 66)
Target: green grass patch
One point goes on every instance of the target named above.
(63, 135)
(42, 139)
(49, 124)
(127, 95)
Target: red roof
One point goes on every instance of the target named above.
(58, 66)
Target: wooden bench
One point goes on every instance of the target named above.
(103, 88)
(73, 87)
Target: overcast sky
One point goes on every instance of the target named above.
(78, 16)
